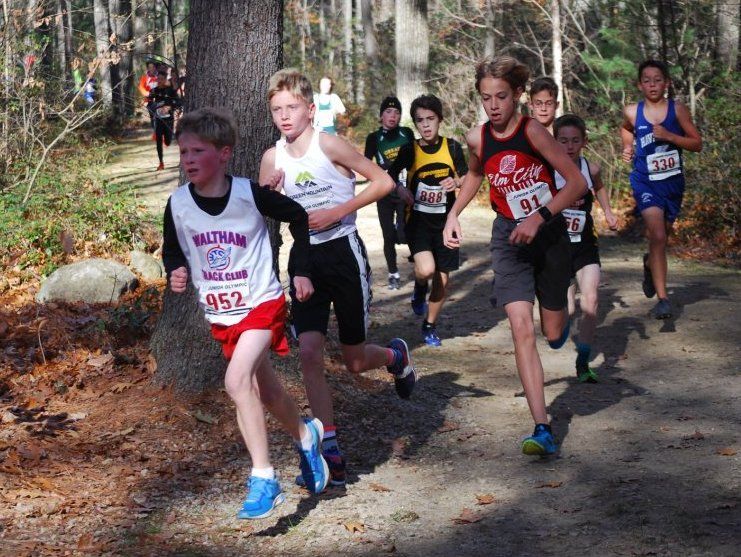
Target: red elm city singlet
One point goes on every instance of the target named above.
(520, 179)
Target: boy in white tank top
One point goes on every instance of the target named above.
(317, 170)
(214, 233)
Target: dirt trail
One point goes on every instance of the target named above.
(649, 459)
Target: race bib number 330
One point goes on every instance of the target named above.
(663, 165)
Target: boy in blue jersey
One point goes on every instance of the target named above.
(660, 128)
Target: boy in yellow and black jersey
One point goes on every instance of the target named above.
(435, 167)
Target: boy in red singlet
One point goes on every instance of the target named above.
(529, 246)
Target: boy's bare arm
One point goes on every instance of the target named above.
(626, 132)
(470, 184)
(600, 193)
(342, 153)
(691, 140)
(269, 176)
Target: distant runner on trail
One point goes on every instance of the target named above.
(529, 245)
(328, 106)
(382, 146)
(654, 133)
(162, 102)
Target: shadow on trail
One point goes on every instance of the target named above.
(466, 311)
(686, 295)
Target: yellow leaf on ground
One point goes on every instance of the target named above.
(353, 526)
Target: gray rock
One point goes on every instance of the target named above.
(93, 281)
(146, 265)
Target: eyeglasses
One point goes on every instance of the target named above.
(544, 104)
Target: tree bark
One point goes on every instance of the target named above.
(233, 49)
(370, 46)
(123, 92)
(727, 30)
(348, 55)
(102, 47)
(62, 60)
(557, 52)
(412, 51)
(360, 62)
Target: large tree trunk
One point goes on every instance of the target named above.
(360, 62)
(62, 60)
(412, 51)
(556, 52)
(370, 46)
(727, 21)
(102, 47)
(233, 48)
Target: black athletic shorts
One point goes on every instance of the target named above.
(341, 276)
(422, 237)
(584, 253)
(540, 269)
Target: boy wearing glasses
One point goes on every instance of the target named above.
(544, 101)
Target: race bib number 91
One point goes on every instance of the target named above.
(430, 199)
(663, 165)
(523, 202)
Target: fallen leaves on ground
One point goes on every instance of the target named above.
(353, 526)
(448, 426)
(726, 451)
(486, 499)
(378, 487)
(467, 516)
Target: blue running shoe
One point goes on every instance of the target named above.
(337, 470)
(541, 442)
(314, 469)
(262, 497)
(429, 335)
(558, 343)
(405, 376)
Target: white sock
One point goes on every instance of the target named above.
(394, 275)
(264, 473)
(307, 440)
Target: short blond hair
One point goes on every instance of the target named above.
(211, 125)
(507, 68)
(293, 81)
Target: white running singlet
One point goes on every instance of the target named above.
(230, 258)
(313, 181)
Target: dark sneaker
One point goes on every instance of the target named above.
(394, 282)
(541, 442)
(585, 374)
(262, 497)
(662, 310)
(429, 335)
(405, 376)
(648, 281)
(314, 469)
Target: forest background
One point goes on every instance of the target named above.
(54, 200)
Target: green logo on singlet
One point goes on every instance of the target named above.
(304, 176)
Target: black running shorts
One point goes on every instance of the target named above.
(341, 276)
(540, 269)
(422, 237)
(584, 253)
